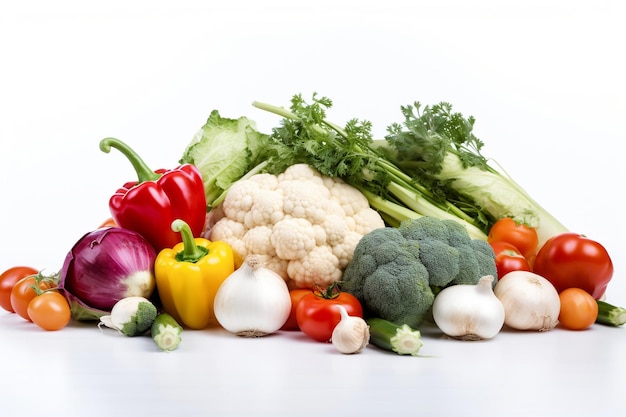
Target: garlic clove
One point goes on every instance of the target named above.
(351, 334)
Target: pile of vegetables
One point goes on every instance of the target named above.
(324, 229)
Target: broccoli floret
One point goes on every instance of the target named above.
(395, 272)
(141, 321)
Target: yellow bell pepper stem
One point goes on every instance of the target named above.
(191, 252)
(189, 275)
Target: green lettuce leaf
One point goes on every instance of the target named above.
(224, 150)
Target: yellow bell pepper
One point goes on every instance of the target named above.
(189, 274)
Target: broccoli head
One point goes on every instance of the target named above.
(395, 272)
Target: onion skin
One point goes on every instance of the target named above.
(103, 267)
(530, 301)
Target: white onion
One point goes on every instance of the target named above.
(530, 301)
(253, 300)
(469, 312)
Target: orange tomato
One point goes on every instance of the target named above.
(50, 311)
(523, 237)
(108, 223)
(296, 294)
(23, 292)
(579, 309)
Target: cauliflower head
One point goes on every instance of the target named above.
(396, 272)
(304, 224)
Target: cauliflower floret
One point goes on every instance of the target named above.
(336, 228)
(240, 198)
(267, 209)
(293, 238)
(265, 181)
(231, 232)
(258, 241)
(344, 250)
(366, 220)
(319, 267)
(304, 200)
(350, 199)
(301, 172)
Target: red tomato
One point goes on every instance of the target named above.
(296, 295)
(523, 237)
(571, 260)
(8, 279)
(50, 311)
(508, 258)
(23, 292)
(317, 315)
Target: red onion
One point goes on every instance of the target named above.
(103, 267)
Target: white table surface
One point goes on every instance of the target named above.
(545, 81)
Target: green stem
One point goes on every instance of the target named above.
(610, 315)
(191, 252)
(144, 173)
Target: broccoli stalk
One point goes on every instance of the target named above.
(402, 340)
(610, 314)
(307, 137)
(438, 148)
(166, 332)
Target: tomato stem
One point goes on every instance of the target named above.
(41, 278)
(329, 292)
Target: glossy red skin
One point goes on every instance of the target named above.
(317, 316)
(571, 260)
(149, 208)
(508, 258)
(8, 279)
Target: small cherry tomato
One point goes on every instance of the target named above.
(508, 258)
(523, 237)
(8, 279)
(579, 309)
(317, 314)
(50, 311)
(108, 223)
(296, 295)
(572, 260)
(24, 291)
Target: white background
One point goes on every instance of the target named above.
(544, 79)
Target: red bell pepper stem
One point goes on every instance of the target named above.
(144, 173)
(191, 252)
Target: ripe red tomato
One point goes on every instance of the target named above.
(523, 237)
(508, 258)
(572, 260)
(23, 292)
(296, 295)
(8, 279)
(317, 315)
(50, 311)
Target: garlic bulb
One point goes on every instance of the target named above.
(253, 300)
(351, 334)
(530, 301)
(469, 312)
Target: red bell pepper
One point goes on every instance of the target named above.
(149, 205)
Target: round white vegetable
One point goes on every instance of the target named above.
(530, 301)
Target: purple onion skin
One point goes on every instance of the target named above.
(103, 267)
